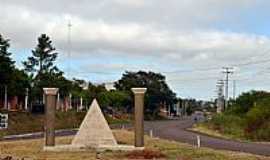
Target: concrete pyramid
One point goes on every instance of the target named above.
(94, 130)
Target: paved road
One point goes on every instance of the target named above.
(176, 130)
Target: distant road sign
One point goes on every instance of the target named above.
(3, 121)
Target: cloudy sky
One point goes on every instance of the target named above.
(189, 41)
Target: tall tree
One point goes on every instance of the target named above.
(157, 89)
(41, 67)
(6, 63)
(42, 59)
(15, 80)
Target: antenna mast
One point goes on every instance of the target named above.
(69, 47)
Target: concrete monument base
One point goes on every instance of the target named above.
(94, 134)
(74, 148)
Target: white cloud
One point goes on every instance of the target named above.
(173, 34)
(130, 38)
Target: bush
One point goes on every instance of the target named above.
(248, 117)
(228, 124)
(247, 100)
(257, 120)
(236, 109)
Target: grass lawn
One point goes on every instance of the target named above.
(32, 149)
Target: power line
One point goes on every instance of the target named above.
(193, 70)
(194, 79)
(217, 68)
(256, 74)
(252, 62)
(96, 72)
(176, 71)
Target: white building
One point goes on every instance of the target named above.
(109, 86)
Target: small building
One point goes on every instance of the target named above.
(109, 86)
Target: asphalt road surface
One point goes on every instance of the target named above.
(176, 130)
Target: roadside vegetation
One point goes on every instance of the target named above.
(154, 149)
(247, 118)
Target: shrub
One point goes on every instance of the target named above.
(248, 117)
(247, 100)
(228, 124)
(257, 120)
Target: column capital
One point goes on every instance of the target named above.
(138, 90)
(50, 91)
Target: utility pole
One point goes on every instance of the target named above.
(220, 97)
(227, 71)
(220, 86)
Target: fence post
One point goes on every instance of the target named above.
(198, 141)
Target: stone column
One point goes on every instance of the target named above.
(50, 105)
(139, 116)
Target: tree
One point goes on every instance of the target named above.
(42, 70)
(258, 120)
(42, 59)
(157, 89)
(18, 83)
(116, 99)
(15, 80)
(6, 64)
(246, 101)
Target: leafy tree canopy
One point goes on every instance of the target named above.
(157, 89)
(247, 100)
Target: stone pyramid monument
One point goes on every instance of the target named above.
(94, 130)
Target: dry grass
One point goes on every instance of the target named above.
(32, 149)
(205, 130)
(202, 128)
